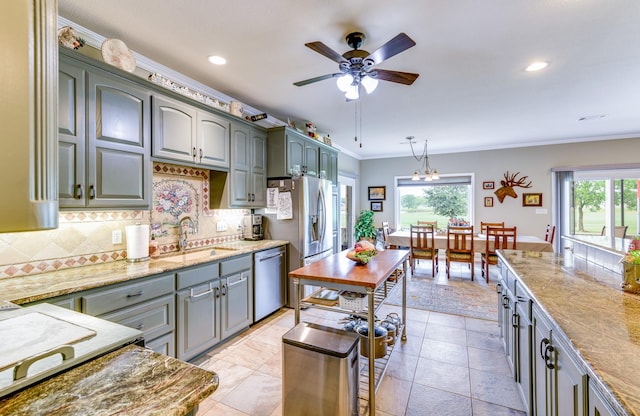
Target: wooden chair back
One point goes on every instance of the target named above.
(619, 230)
(498, 238)
(422, 246)
(460, 247)
(484, 225)
(434, 223)
(550, 233)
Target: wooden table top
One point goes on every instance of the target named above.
(339, 269)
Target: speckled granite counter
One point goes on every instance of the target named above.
(26, 289)
(586, 304)
(131, 380)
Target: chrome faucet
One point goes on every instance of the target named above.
(182, 234)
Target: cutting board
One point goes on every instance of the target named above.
(26, 335)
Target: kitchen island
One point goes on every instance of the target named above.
(131, 380)
(591, 319)
(340, 273)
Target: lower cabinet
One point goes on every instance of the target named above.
(597, 404)
(559, 384)
(214, 302)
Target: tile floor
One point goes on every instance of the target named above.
(450, 365)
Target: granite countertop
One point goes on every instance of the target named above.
(601, 321)
(32, 288)
(126, 381)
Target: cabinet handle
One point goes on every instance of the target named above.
(135, 295)
(546, 349)
(505, 302)
(498, 287)
(199, 295)
(193, 153)
(78, 194)
(224, 290)
(92, 192)
(201, 154)
(217, 292)
(253, 197)
(140, 327)
(515, 320)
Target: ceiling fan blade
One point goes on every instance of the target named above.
(323, 49)
(400, 43)
(316, 79)
(406, 78)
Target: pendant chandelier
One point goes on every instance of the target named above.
(425, 168)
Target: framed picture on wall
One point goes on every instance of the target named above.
(488, 185)
(488, 201)
(376, 206)
(531, 200)
(377, 193)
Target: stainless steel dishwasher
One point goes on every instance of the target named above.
(269, 282)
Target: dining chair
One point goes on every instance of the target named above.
(484, 225)
(619, 230)
(434, 223)
(460, 247)
(385, 233)
(423, 246)
(498, 238)
(550, 233)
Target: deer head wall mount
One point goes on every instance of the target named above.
(509, 183)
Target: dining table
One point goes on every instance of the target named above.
(402, 238)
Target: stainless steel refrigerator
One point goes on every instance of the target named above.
(310, 227)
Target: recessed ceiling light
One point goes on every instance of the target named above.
(217, 60)
(536, 66)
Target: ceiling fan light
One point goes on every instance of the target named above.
(344, 82)
(352, 93)
(369, 84)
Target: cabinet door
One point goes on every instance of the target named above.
(237, 305)
(597, 404)
(174, 129)
(295, 151)
(197, 319)
(240, 166)
(119, 163)
(71, 136)
(541, 382)
(212, 145)
(522, 359)
(258, 169)
(311, 158)
(329, 164)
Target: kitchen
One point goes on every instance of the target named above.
(88, 236)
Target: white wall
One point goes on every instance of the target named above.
(534, 162)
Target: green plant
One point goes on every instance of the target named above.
(364, 226)
(632, 256)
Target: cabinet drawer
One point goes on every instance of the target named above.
(154, 318)
(113, 299)
(197, 275)
(164, 345)
(236, 265)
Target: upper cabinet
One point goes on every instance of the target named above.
(290, 150)
(104, 136)
(28, 107)
(248, 167)
(188, 134)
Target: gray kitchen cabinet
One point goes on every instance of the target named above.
(146, 304)
(329, 164)
(104, 136)
(288, 148)
(198, 310)
(598, 406)
(236, 295)
(522, 344)
(184, 133)
(558, 383)
(248, 180)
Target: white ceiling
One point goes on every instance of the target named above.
(472, 93)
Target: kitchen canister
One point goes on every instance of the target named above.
(137, 242)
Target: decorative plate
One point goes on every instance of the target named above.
(116, 53)
(69, 38)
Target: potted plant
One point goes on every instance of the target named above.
(364, 226)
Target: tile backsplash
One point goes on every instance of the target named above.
(85, 237)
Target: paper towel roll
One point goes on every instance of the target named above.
(137, 242)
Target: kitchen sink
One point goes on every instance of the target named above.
(195, 255)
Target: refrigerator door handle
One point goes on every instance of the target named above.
(322, 214)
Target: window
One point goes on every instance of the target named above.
(449, 196)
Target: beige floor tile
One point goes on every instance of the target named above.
(446, 333)
(444, 376)
(221, 409)
(230, 375)
(445, 352)
(252, 353)
(258, 395)
(393, 395)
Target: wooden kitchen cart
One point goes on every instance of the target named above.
(340, 273)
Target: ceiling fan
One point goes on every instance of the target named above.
(357, 66)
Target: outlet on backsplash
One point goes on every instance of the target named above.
(116, 237)
(221, 226)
